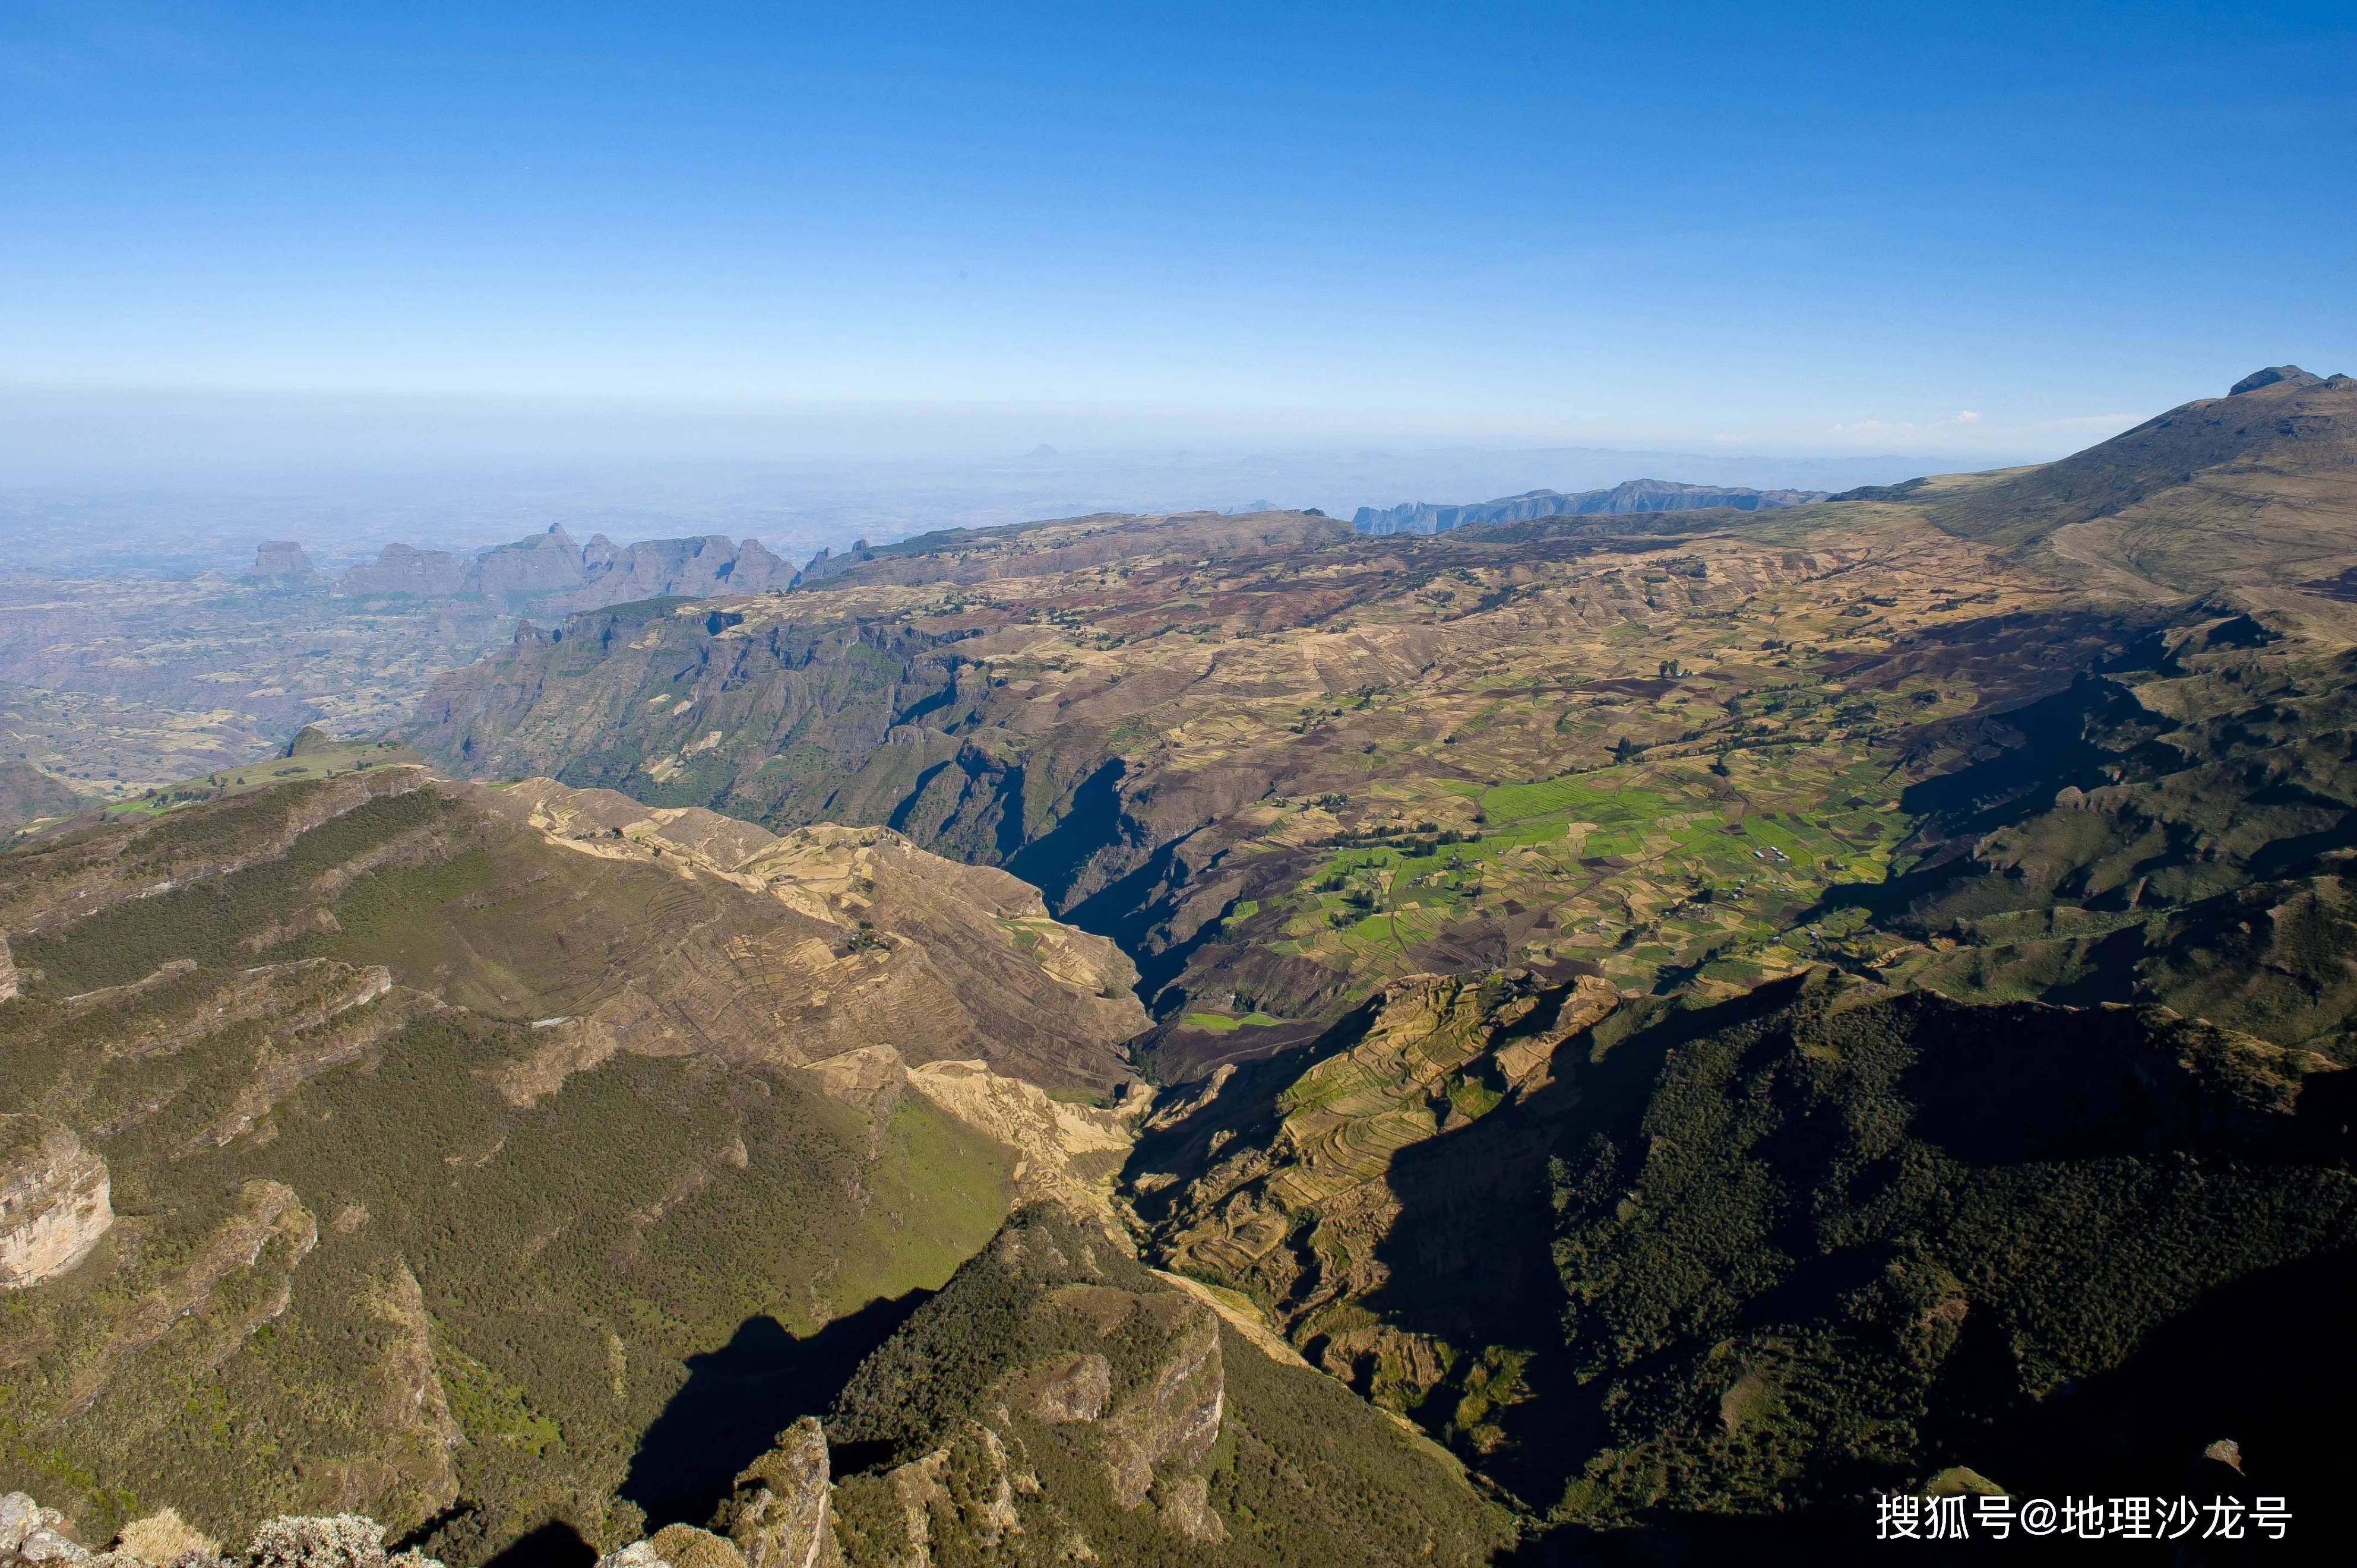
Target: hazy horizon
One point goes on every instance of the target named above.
(204, 505)
(345, 241)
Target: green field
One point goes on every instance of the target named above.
(1644, 866)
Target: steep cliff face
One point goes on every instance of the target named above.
(404, 569)
(1842, 1239)
(1629, 496)
(544, 564)
(1655, 1262)
(281, 563)
(549, 573)
(54, 1200)
(781, 722)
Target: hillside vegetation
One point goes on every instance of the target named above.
(1687, 1261)
(1601, 1035)
(450, 1129)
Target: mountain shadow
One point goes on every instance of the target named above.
(554, 1545)
(739, 1398)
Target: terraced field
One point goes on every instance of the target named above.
(1638, 868)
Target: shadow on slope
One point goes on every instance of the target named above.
(554, 1545)
(739, 1398)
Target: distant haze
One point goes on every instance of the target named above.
(189, 482)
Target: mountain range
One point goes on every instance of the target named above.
(1630, 1035)
(1629, 496)
(547, 573)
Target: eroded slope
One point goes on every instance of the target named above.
(445, 1125)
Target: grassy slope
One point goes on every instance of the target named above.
(570, 1257)
(1301, 1471)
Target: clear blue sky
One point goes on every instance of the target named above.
(1777, 226)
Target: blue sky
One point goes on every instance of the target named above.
(1956, 228)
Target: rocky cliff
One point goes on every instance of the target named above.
(550, 573)
(281, 563)
(1055, 1403)
(404, 569)
(456, 1127)
(1629, 496)
(1058, 1402)
(54, 1203)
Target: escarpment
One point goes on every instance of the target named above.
(54, 1203)
(444, 1129)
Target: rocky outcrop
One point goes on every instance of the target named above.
(689, 568)
(2271, 376)
(549, 573)
(54, 1202)
(281, 563)
(1129, 1373)
(1629, 496)
(1057, 1402)
(31, 1534)
(404, 569)
(7, 973)
(546, 564)
(781, 1515)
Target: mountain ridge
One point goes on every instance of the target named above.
(1629, 496)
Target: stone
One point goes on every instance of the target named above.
(281, 561)
(50, 1544)
(54, 1200)
(779, 1514)
(19, 1517)
(1075, 1392)
(636, 1554)
(1185, 1505)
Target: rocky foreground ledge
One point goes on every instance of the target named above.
(778, 1518)
(30, 1534)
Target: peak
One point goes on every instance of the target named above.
(2273, 374)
